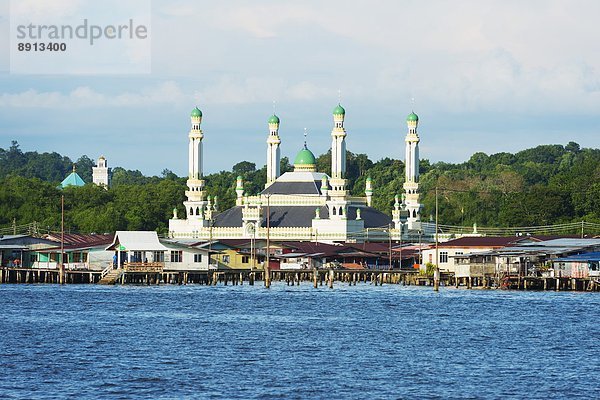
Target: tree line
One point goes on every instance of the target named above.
(544, 185)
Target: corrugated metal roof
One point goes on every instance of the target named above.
(566, 242)
(137, 241)
(593, 256)
(9, 237)
(480, 241)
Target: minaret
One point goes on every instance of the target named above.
(239, 190)
(338, 195)
(195, 195)
(273, 152)
(369, 190)
(101, 173)
(338, 155)
(338, 144)
(411, 167)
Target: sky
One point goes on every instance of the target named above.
(488, 76)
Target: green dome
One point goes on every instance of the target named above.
(196, 112)
(339, 110)
(305, 157)
(274, 119)
(412, 117)
(239, 178)
(369, 179)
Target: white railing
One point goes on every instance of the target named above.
(106, 270)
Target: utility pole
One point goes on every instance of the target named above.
(400, 248)
(61, 270)
(267, 269)
(436, 272)
(390, 237)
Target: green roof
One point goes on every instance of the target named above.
(72, 180)
(412, 117)
(274, 119)
(305, 157)
(339, 110)
(196, 112)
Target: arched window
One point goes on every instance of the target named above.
(341, 211)
(414, 214)
(191, 211)
(197, 210)
(334, 210)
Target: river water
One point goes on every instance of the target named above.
(246, 342)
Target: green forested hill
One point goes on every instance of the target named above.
(544, 185)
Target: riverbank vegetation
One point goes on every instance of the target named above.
(545, 185)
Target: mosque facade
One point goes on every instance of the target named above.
(301, 205)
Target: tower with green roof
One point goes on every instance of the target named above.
(273, 152)
(239, 190)
(411, 171)
(196, 204)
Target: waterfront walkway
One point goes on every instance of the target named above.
(318, 278)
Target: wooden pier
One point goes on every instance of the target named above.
(156, 275)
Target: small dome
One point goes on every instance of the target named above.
(339, 110)
(196, 112)
(305, 157)
(274, 119)
(412, 117)
(239, 178)
(369, 179)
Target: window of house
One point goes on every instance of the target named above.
(197, 258)
(158, 256)
(443, 257)
(33, 258)
(245, 259)
(137, 256)
(176, 256)
(226, 259)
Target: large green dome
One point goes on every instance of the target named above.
(274, 119)
(412, 117)
(339, 110)
(196, 112)
(305, 157)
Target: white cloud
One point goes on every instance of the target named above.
(84, 97)
(47, 9)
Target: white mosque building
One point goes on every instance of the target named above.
(304, 204)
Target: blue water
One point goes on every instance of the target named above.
(243, 342)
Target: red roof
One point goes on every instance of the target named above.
(480, 241)
(76, 240)
(494, 241)
(81, 241)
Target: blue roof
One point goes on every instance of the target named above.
(72, 180)
(593, 256)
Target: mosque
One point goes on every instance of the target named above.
(302, 205)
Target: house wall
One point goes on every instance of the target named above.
(450, 264)
(231, 258)
(187, 262)
(98, 259)
(571, 269)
